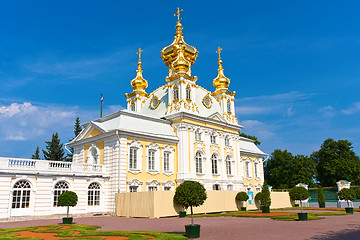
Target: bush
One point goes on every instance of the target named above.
(258, 197)
(299, 193)
(347, 194)
(242, 196)
(68, 199)
(190, 194)
(357, 193)
(265, 200)
(321, 196)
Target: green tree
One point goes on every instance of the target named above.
(68, 199)
(54, 149)
(36, 155)
(77, 131)
(300, 194)
(336, 161)
(265, 200)
(321, 196)
(347, 194)
(189, 194)
(283, 170)
(257, 142)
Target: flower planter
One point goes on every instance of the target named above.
(349, 210)
(303, 216)
(265, 210)
(67, 220)
(192, 231)
(182, 214)
(321, 205)
(243, 209)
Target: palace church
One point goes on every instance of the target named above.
(178, 132)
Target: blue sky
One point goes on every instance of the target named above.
(294, 64)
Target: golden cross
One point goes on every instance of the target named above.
(219, 51)
(139, 52)
(178, 13)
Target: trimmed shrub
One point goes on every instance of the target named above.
(265, 200)
(68, 199)
(299, 193)
(242, 196)
(321, 195)
(347, 194)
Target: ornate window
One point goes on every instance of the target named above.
(133, 188)
(94, 194)
(197, 135)
(134, 185)
(132, 106)
(188, 93)
(256, 169)
(216, 187)
(227, 141)
(198, 162)
(166, 161)
(176, 93)
(213, 138)
(207, 101)
(228, 106)
(133, 158)
(21, 194)
(59, 188)
(247, 169)
(230, 187)
(228, 165)
(151, 160)
(168, 186)
(214, 164)
(153, 186)
(154, 103)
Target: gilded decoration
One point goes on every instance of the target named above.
(154, 102)
(179, 56)
(230, 117)
(207, 101)
(177, 105)
(221, 81)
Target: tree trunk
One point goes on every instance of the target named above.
(192, 217)
(67, 212)
(301, 206)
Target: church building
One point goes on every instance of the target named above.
(178, 132)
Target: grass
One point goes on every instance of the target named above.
(283, 217)
(83, 232)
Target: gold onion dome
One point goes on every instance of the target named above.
(179, 55)
(139, 83)
(221, 81)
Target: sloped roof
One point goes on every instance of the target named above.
(248, 146)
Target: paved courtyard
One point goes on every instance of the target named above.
(332, 227)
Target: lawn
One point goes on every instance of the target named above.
(53, 232)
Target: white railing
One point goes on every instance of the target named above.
(38, 166)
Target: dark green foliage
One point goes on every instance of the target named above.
(55, 151)
(357, 193)
(283, 170)
(321, 195)
(256, 141)
(265, 200)
(36, 155)
(299, 193)
(336, 161)
(190, 193)
(77, 130)
(242, 196)
(258, 197)
(347, 194)
(68, 199)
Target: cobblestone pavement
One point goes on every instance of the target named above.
(219, 228)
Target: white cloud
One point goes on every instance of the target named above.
(260, 129)
(327, 111)
(353, 109)
(24, 121)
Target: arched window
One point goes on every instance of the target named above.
(256, 169)
(166, 161)
(21, 194)
(59, 188)
(227, 141)
(132, 106)
(188, 93)
(216, 187)
(198, 162)
(228, 165)
(213, 138)
(176, 93)
(94, 194)
(228, 106)
(247, 169)
(197, 135)
(133, 158)
(214, 164)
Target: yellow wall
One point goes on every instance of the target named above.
(100, 145)
(94, 133)
(252, 181)
(144, 176)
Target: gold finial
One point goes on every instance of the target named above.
(178, 13)
(139, 53)
(219, 51)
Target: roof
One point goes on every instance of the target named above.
(248, 146)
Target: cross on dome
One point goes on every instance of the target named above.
(219, 51)
(178, 13)
(139, 52)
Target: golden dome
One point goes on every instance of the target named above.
(139, 83)
(221, 81)
(171, 53)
